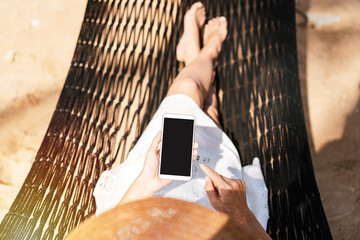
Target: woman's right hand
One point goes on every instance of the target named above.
(229, 196)
(226, 195)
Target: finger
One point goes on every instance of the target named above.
(155, 143)
(196, 145)
(217, 179)
(195, 153)
(210, 190)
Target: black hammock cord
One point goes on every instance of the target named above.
(123, 64)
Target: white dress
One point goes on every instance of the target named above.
(215, 150)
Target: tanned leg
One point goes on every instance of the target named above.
(195, 80)
(211, 106)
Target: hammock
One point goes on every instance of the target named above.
(122, 67)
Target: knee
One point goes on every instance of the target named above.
(189, 84)
(189, 87)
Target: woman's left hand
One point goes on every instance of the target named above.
(150, 171)
(148, 181)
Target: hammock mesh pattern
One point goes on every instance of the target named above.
(122, 66)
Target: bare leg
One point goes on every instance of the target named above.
(211, 106)
(195, 80)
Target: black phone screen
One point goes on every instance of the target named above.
(176, 152)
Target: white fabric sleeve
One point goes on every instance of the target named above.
(114, 183)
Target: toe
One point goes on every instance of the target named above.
(210, 23)
(198, 5)
(200, 16)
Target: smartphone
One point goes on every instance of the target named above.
(176, 152)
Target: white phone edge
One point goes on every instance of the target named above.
(176, 116)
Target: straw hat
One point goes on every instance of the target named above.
(159, 218)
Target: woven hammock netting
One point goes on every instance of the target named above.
(123, 64)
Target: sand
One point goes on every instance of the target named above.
(330, 80)
(37, 41)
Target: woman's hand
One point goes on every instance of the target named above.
(226, 195)
(229, 196)
(150, 171)
(148, 181)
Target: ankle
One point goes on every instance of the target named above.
(209, 52)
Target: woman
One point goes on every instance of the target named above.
(192, 93)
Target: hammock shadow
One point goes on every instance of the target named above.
(339, 160)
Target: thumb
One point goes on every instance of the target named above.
(210, 190)
(155, 143)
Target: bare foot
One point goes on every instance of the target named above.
(214, 34)
(189, 45)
